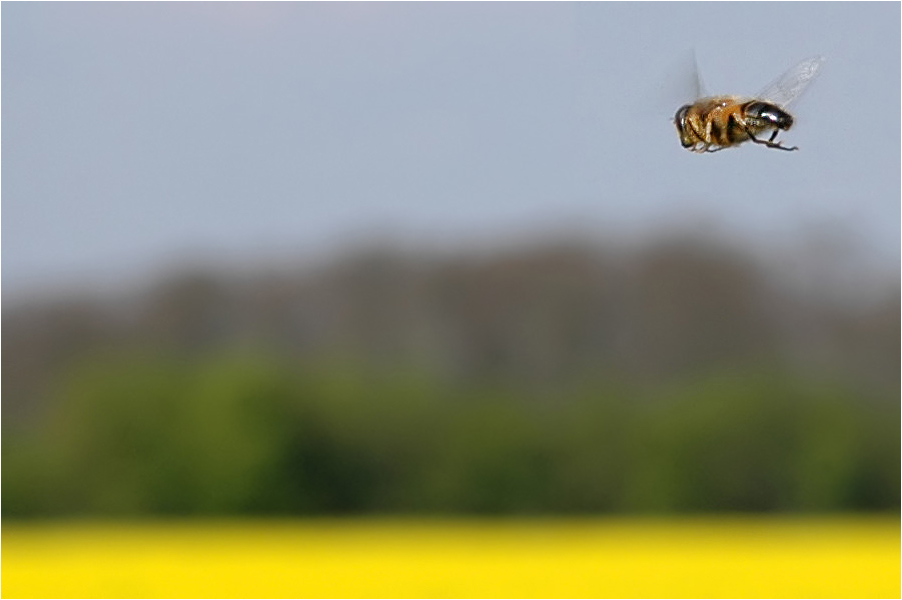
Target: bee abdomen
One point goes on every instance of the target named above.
(716, 132)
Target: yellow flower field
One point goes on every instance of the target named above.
(713, 557)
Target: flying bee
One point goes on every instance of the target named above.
(717, 122)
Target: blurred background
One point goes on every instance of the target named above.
(423, 259)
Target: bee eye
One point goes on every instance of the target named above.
(680, 116)
(756, 110)
(770, 113)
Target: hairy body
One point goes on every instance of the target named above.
(719, 122)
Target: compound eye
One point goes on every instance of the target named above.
(770, 113)
(757, 110)
(680, 116)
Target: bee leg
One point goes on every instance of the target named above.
(773, 135)
(770, 143)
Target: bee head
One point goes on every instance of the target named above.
(766, 114)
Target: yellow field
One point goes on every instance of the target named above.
(753, 557)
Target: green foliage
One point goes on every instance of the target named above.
(756, 443)
(255, 435)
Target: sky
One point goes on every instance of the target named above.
(137, 137)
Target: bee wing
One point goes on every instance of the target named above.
(677, 83)
(701, 91)
(686, 81)
(789, 86)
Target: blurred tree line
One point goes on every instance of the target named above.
(675, 377)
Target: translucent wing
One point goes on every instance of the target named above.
(791, 84)
(698, 86)
(686, 67)
(677, 82)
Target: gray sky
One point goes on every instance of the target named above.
(136, 136)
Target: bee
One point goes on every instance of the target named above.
(717, 122)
